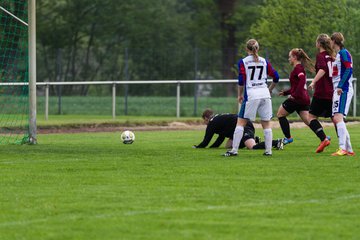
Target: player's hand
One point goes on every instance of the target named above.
(240, 99)
(281, 93)
(311, 86)
(339, 91)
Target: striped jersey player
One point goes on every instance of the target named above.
(343, 93)
(254, 95)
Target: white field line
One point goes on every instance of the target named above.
(234, 208)
(171, 210)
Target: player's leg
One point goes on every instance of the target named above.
(283, 121)
(349, 149)
(348, 146)
(317, 108)
(304, 115)
(277, 144)
(265, 113)
(342, 132)
(249, 139)
(340, 108)
(238, 134)
(247, 111)
(228, 143)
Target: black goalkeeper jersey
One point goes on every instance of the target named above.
(224, 125)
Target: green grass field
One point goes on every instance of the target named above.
(91, 186)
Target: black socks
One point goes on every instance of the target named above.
(285, 126)
(317, 129)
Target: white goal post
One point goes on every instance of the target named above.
(32, 70)
(31, 30)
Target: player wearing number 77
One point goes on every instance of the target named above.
(254, 95)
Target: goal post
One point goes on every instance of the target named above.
(17, 71)
(32, 71)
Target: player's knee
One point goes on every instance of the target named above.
(338, 117)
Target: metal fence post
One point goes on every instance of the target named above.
(46, 101)
(178, 100)
(114, 100)
(196, 60)
(126, 90)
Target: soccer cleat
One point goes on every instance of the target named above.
(267, 154)
(350, 153)
(323, 145)
(257, 139)
(230, 154)
(287, 140)
(280, 144)
(340, 152)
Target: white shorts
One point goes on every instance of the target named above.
(263, 107)
(341, 103)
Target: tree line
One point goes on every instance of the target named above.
(101, 40)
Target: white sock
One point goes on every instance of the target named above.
(268, 140)
(348, 142)
(341, 129)
(238, 134)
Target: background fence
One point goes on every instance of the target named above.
(180, 103)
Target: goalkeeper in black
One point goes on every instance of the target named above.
(224, 125)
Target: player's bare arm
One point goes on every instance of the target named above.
(319, 75)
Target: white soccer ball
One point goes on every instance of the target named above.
(127, 137)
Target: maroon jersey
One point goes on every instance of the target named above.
(324, 87)
(298, 88)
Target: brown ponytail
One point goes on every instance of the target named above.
(325, 42)
(301, 56)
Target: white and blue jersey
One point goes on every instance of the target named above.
(342, 78)
(253, 76)
(342, 71)
(257, 99)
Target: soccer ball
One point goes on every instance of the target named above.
(127, 137)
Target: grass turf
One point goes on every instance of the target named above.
(91, 186)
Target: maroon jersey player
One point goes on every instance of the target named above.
(298, 99)
(321, 104)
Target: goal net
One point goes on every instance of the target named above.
(14, 74)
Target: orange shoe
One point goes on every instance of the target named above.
(340, 152)
(323, 145)
(350, 153)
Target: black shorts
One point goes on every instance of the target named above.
(248, 134)
(291, 106)
(321, 107)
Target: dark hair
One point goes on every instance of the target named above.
(207, 113)
(301, 56)
(338, 38)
